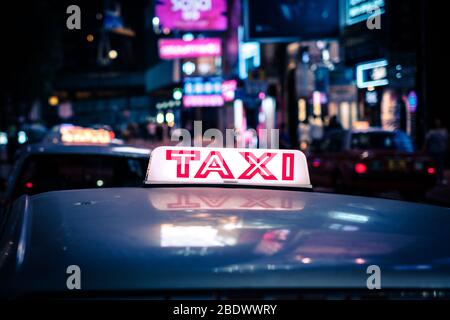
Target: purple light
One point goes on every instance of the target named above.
(229, 89)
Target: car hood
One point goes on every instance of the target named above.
(218, 238)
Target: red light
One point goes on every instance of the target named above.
(431, 171)
(360, 168)
(29, 185)
(316, 163)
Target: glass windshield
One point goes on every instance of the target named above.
(42, 173)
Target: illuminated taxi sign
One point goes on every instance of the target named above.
(258, 167)
(79, 135)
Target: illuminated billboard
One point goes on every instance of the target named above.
(203, 92)
(372, 74)
(192, 15)
(180, 49)
(275, 20)
(361, 10)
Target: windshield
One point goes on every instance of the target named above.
(381, 141)
(42, 173)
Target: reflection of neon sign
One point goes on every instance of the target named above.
(177, 200)
(178, 48)
(372, 74)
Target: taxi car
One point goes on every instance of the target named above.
(373, 160)
(216, 223)
(72, 157)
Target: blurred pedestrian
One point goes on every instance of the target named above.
(316, 128)
(151, 130)
(13, 145)
(436, 144)
(333, 124)
(284, 137)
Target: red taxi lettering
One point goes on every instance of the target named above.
(214, 163)
(183, 157)
(288, 167)
(257, 166)
(183, 202)
(256, 201)
(216, 202)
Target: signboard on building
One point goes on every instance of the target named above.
(179, 49)
(275, 20)
(361, 10)
(192, 15)
(372, 74)
(203, 92)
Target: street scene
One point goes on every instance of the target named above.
(241, 148)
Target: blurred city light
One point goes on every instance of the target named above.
(22, 137)
(3, 138)
(53, 101)
(177, 94)
(112, 54)
(160, 118)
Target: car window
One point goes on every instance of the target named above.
(42, 173)
(333, 142)
(403, 142)
(381, 141)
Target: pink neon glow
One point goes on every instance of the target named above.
(228, 90)
(192, 15)
(178, 48)
(203, 101)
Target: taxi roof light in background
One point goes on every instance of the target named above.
(228, 166)
(80, 135)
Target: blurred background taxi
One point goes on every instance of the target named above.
(371, 161)
(72, 157)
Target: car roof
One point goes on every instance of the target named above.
(130, 239)
(110, 149)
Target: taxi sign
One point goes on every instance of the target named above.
(77, 135)
(256, 167)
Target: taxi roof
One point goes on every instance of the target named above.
(155, 238)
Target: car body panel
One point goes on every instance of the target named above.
(138, 239)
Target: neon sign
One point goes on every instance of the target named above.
(180, 49)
